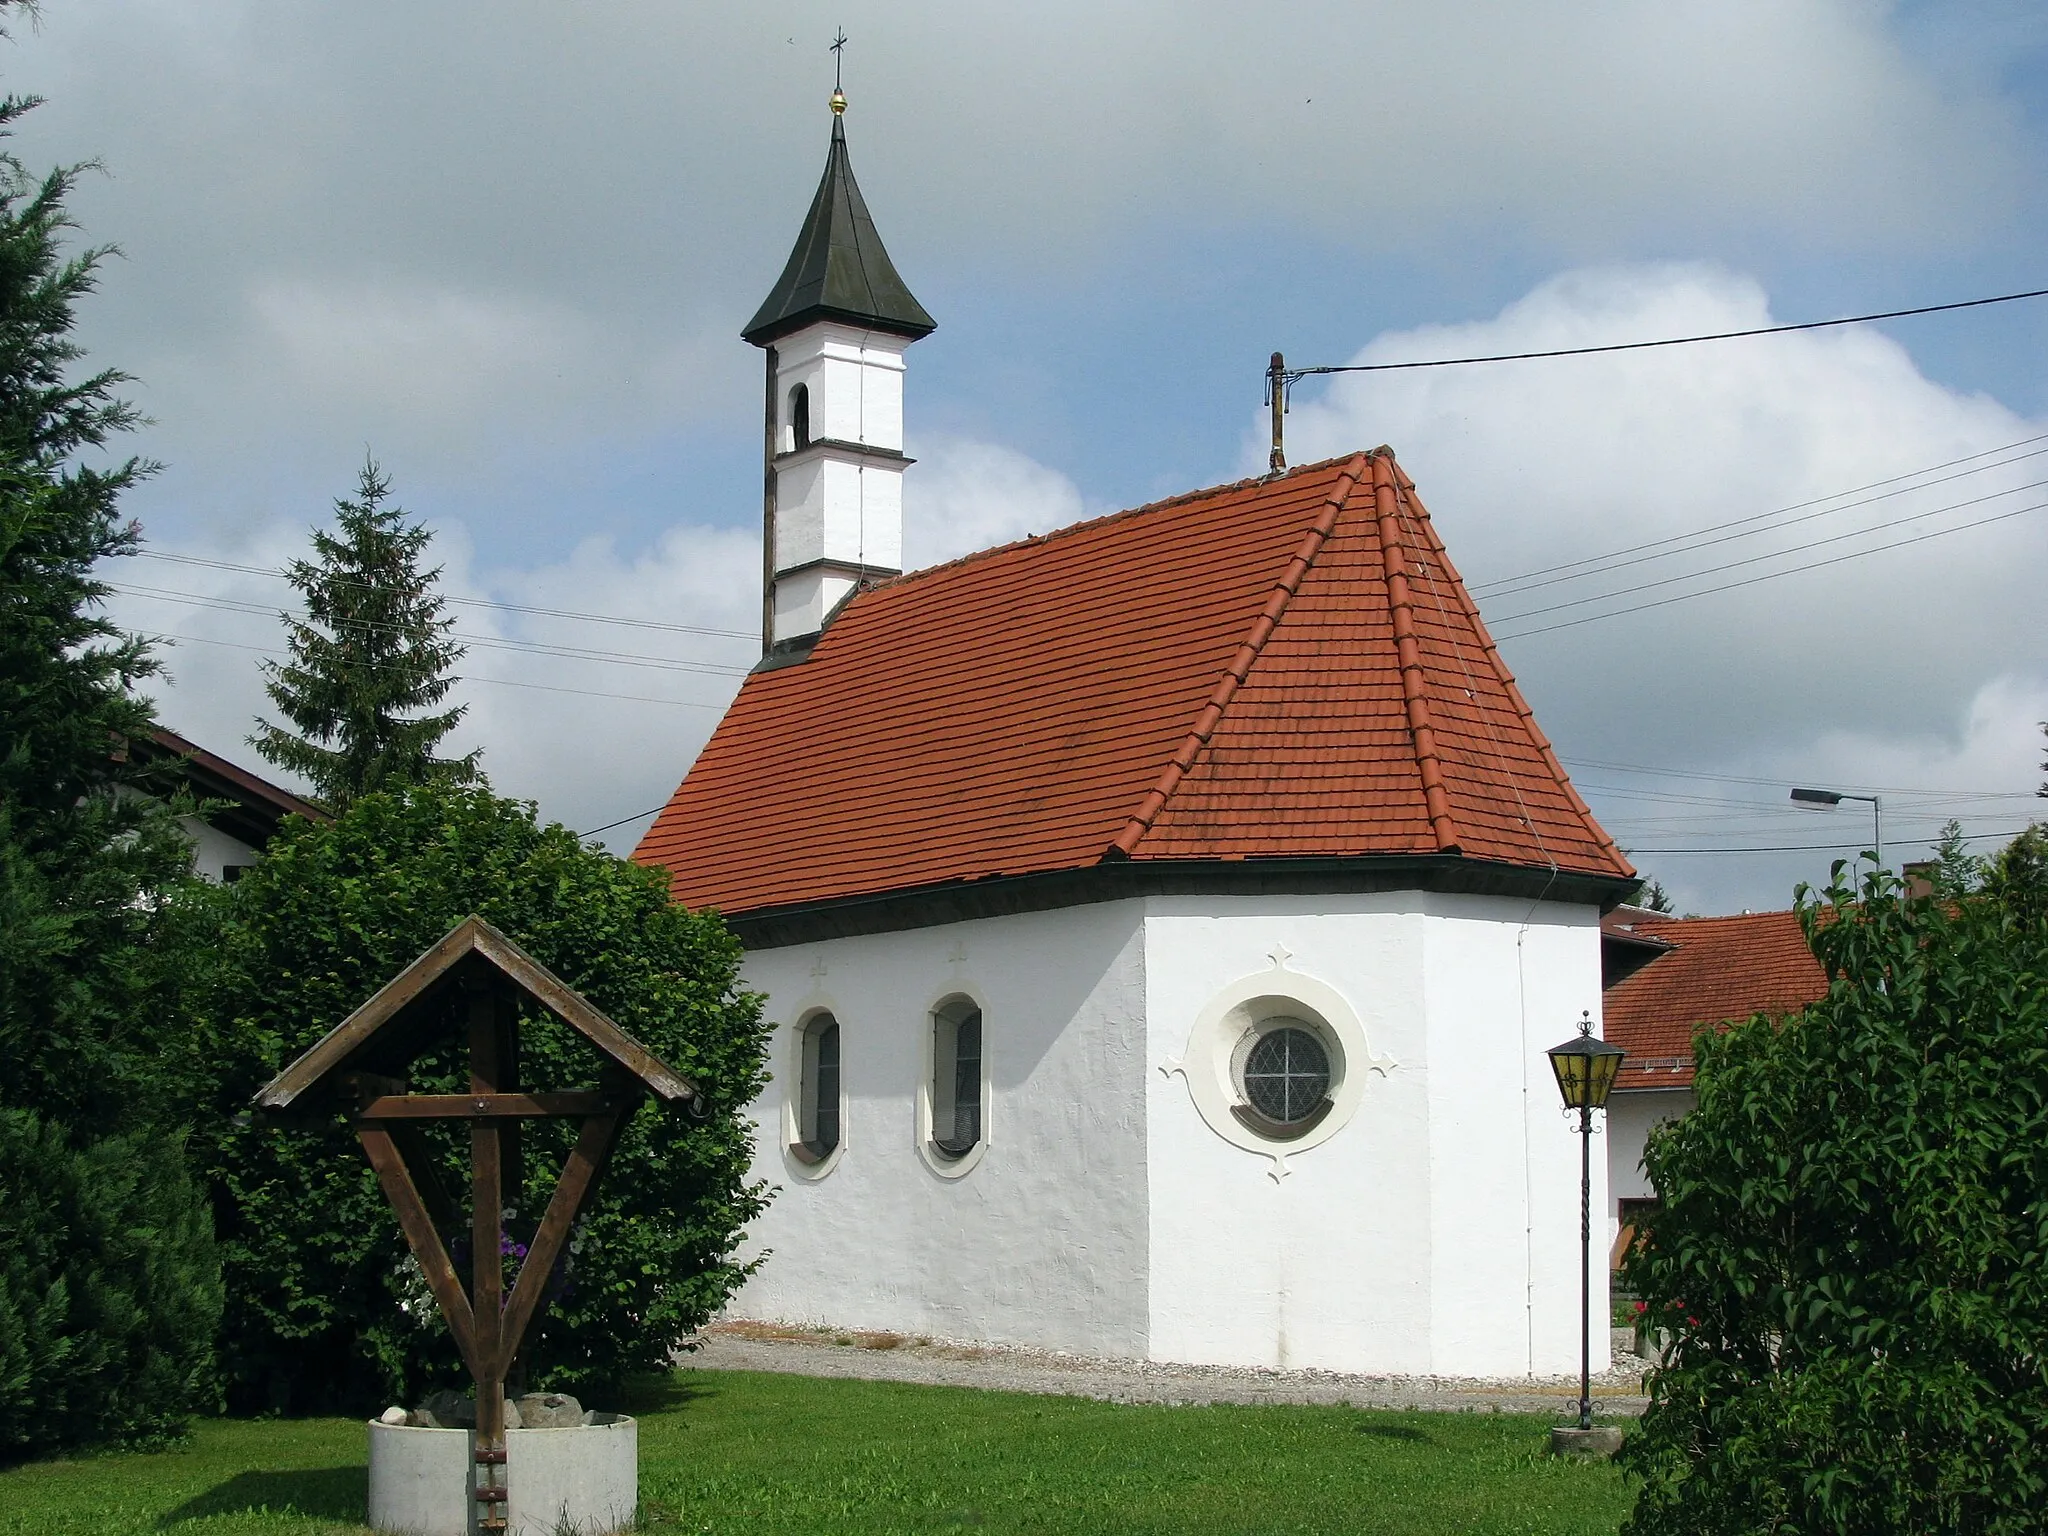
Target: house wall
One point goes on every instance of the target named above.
(1437, 1232)
(1630, 1114)
(213, 851)
(1044, 1240)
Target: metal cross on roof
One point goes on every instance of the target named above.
(838, 55)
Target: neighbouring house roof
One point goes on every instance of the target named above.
(1285, 669)
(838, 269)
(250, 808)
(1716, 969)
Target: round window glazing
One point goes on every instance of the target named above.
(1287, 1074)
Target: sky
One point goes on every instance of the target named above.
(506, 250)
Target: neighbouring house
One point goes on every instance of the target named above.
(1162, 920)
(243, 810)
(1668, 978)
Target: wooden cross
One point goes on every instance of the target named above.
(492, 973)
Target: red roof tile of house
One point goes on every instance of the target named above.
(1718, 968)
(1287, 667)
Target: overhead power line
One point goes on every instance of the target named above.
(467, 677)
(1698, 539)
(1794, 549)
(1291, 374)
(479, 642)
(1799, 847)
(1750, 581)
(465, 602)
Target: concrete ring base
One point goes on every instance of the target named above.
(1599, 1442)
(585, 1480)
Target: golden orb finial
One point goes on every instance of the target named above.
(839, 103)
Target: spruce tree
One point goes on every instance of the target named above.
(372, 652)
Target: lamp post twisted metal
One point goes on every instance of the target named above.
(1585, 1069)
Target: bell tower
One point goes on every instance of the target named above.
(834, 330)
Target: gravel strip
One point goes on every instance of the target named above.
(999, 1368)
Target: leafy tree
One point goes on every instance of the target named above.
(326, 1306)
(1849, 1246)
(372, 652)
(2017, 875)
(84, 863)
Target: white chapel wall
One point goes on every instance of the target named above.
(1043, 1241)
(1438, 1231)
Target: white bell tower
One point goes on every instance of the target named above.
(834, 328)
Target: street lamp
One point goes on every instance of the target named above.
(1585, 1069)
(1828, 799)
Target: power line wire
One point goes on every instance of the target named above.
(466, 602)
(1749, 581)
(467, 677)
(478, 642)
(1796, 847)
(1790, 549)
(1515, 586)
(1797, 506)
(1291, 374)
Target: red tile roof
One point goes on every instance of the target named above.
(1287, 667)
(1718, 968)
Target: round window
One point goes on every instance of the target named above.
(1286, 1075)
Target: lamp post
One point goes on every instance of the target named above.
(1828, 799)
(1585, 1069)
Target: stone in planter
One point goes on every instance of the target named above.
(548, 1410)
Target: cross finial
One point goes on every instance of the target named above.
(838, 58)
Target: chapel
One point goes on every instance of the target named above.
(1162, 920)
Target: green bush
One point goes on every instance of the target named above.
(325, 1306)
(109, 1289)
(1851, 1248)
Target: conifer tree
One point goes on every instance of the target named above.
(109, 1278)
(372, 652)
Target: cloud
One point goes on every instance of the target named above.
(1893, 668)
(969, 495)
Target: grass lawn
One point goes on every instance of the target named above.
(724, 1451)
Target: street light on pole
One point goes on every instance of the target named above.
(1828, 799)
(1585, 1069)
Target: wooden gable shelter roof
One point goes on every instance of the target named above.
(380, 1035)
(1282, 673)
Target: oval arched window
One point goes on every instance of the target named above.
(956, 1078)
(817, 1116)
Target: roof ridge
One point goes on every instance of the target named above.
(1491, 652)
(1284, 587)
(1408, 652)
(1085, 524)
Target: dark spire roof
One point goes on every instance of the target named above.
(838, 270)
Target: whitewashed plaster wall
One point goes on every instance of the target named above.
(1044, 1240)
(1438, 1231)
(1435, 1232)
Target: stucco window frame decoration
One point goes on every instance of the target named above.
(798, 1152)
(1233, 1022)
(946, 1013)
